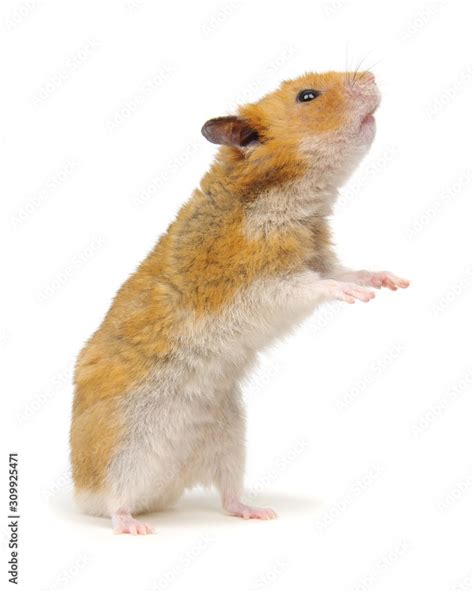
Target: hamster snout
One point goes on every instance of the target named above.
(364, 92)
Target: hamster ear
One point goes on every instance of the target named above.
(230, 130)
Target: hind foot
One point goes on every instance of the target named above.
(238, 509)
(123, 522)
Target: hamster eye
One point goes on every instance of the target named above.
(307, 95)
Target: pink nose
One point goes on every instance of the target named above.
(369, 76)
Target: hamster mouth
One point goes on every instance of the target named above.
(369, 118)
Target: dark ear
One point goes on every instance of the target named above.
(230, 130)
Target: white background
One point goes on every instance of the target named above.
(358, 424)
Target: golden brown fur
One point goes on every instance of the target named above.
(207, 257)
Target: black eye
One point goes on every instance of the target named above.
(307, 95)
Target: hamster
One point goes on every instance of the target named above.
(157, 405)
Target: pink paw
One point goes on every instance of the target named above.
(127, 524)
(244, 511)
(385, 279)
(349, 292)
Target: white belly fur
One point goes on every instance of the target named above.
(188, 412)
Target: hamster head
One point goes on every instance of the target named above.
(321, 122)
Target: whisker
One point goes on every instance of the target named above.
(347, 64)
(356, 71)
(367, 69)
(373, 64)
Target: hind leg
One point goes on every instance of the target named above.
(229, 483)
(102, 504)
(230, 465)
(124, 522)
(155, 497)
(141, 482)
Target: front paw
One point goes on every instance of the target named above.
(381, 280)
(348, 292)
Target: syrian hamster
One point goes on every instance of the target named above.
(157, 406)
